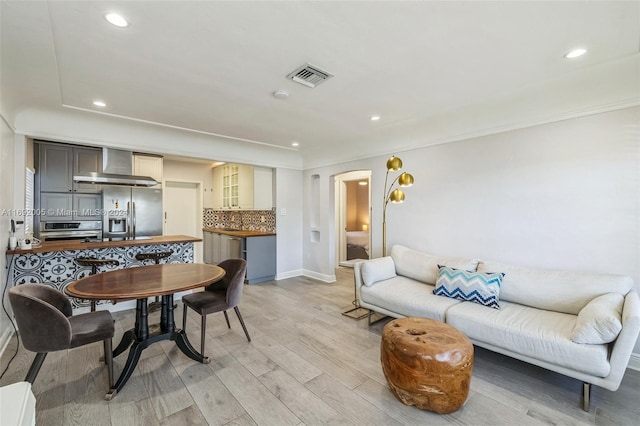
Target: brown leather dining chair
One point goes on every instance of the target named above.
(219, 296)
(46, 324)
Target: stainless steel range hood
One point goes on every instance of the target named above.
(117, 170)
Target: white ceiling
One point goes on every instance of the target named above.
(434, 71)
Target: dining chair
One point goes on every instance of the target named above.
(219, 296)
(46, 324)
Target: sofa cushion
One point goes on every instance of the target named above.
(424, 267)
(535, 333)
(599, 321)
(379, 269)
(560, 291)
(407, 297)
(477, 287)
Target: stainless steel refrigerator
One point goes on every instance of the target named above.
(131, 212)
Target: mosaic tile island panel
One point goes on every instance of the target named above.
(58, 268)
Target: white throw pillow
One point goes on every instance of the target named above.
(599, 322)
(424, 267)
(379, 269)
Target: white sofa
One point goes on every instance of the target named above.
(542, 313)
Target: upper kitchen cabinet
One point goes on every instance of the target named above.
(148, 165)
(56, 168)
(239, 186)
(85, 161)
(59, 163)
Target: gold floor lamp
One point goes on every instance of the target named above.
(394, 195)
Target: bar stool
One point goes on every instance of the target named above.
(95, 263)
(156, 256)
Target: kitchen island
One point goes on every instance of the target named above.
(53, 263)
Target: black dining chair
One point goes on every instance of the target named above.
(219, 296)
(46, 324)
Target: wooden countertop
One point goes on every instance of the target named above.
(241, 234)
(48, 246)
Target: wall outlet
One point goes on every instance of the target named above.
(283, 212)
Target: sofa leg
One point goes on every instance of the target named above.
(369, 317)
(586, 396)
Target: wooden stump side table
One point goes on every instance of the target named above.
(427, 363)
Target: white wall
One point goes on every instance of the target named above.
(7, 172)
(192, 172)
(561, 195)
(67, 125)
(288, 189)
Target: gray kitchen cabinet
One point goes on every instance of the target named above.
(57, 164)
(86, 160)
(55, 206)
(57, 196)
(87, 206)
(217, 253)
(65, 206)
(55, 168)
(260, 254)
(207, 247)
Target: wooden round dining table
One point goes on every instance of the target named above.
(139, 283)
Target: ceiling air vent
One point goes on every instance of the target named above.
(309, 75)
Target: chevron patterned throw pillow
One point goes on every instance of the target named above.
(477, 287)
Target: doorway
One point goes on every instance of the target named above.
(183, 212)
(353, 213)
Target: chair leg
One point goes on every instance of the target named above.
(93, 306)
(242, 322)
(35, 367)
(226, 317)
(203, 328)
(108, 359)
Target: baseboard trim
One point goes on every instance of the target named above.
(5, 338)
(289, 274)
(634, 362)
(318, 276)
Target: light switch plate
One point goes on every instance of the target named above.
(283, 212)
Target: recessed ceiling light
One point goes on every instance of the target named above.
(99, 104)
(374, 118)
(575, 53)
(295, 144)
(116, 20)
(362, 182)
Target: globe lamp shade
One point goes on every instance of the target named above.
(397, 196)
(405, 179)
(394, 163)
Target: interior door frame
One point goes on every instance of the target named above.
(198, 252)
(341, 210)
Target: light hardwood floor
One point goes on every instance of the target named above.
(307, 364)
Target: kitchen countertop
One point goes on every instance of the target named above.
(67, 245)
(238, 233)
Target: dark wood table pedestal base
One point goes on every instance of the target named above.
(139, 339)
